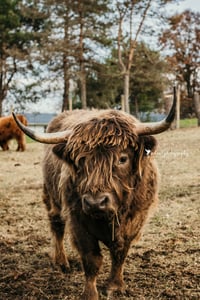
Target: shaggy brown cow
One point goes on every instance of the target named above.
(9, 130)
(101, 179)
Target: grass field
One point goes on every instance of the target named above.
(186, 123)
(164, 265)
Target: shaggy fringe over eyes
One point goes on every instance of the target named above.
(107, 132)
(95, 142)
(101, 177)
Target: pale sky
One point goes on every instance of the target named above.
(193, 5)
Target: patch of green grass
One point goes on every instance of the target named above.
(29, 140)
(186, 123)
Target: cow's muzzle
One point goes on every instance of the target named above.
(98, 204)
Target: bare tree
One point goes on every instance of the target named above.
(183, 39)
(126, 63)
(132, 14)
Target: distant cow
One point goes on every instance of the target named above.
(101, 178)
(9, 130)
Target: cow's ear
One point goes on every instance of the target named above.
(149, 144)
(59, 150)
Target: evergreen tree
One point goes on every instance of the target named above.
(21, 27)
(147, 81)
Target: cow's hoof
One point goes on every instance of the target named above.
(114, 286)
(89, 295)
(63, 267)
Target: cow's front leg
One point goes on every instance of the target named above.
(91, 257)
(91, 263)
(57, 225)
(58, 254)
(118, 256)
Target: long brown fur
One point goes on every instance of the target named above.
(103, 156)
(9, 130)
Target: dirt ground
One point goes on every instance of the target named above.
(164, 265)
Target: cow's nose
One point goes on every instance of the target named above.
(100, 202)
(103, 202)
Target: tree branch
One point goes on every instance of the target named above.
(133, 42)
(5, 86)
(119, 40)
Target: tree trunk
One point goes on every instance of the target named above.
(178, 105)
(3, 93)
(65, 103)
(126, 92)
(136, 108)
(1, 106)
(83, 88)
(81, 58)
(197, 106)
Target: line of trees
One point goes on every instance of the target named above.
(182, 38)
(99, 45)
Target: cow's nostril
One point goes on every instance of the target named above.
(86, 202)
(103, 203)
(90, 203)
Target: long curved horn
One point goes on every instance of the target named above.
(46, 138)
(158, 127)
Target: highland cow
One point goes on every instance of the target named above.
(101, 180)
(9, 130)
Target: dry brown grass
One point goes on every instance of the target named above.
(164, 265)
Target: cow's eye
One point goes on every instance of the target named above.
(123, 159)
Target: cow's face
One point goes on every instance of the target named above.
(106, 174)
